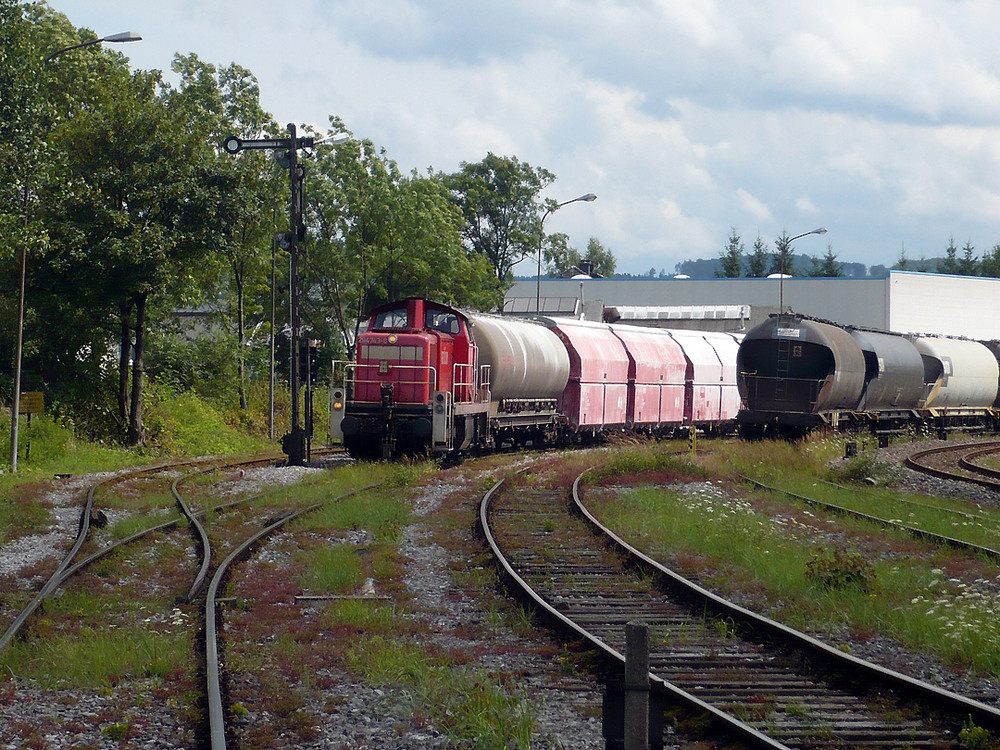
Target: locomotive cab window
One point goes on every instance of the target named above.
(438, 320)
(394, 319)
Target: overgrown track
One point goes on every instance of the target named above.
(70, 565)
(213, 663)
(958, 462)
(919, 533)
(67, 567)
(758, 681)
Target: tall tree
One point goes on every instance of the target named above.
(732, 257)
(218, 103)
(782, 261)
(48, 84)
(969, 264)
(757, 262)
(602, 260)
(949, 264)
(499, 198)
(828, 267)
(380, 235)
(990, 263)
(134, 207)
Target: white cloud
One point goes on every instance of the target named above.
(685, 117)
(753, 206)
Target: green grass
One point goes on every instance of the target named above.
(55, 450)
(333, 570)
(99, 659)
(20, 516)
(465, 703)
(182, 424)
(928, 598)
(949, 517)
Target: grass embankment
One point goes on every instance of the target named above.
(811, 568)
(178, 425)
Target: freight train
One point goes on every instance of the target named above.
(796, 373)
(433, 379)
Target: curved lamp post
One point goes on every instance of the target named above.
(588, 198)
(781, 268)
(15, 411)
(125, 36)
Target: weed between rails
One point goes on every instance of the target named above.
(381, 642)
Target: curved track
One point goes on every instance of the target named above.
(67, 567)
(914, 531)
(70, 565)
(759, 681)
(958, 462)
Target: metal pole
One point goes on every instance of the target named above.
(538, 279)
(781, 265)
(270, 383)
(296, 453)
(636, 686)
(15, 408)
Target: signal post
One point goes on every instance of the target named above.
(294, 443)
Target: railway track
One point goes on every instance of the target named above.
(217, 714)
(73, 562)
(949, 514)
(756, 680)
(959, 462)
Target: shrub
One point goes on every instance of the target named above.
(865, 467)
(841, 569)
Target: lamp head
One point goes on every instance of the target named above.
(125, 36)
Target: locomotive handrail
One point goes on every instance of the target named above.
(469, 386)
(351, 377)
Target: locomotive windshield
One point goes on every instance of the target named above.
(439, 320)
(394, 319)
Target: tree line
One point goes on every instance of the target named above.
(735, 262)
(117, 195)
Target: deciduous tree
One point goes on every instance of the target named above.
(381, 235)
(561, 258)
(217, 103)
(133, 208)
(499, 198)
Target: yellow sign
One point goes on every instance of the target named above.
(32, 402)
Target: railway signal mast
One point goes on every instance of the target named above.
(294, 444)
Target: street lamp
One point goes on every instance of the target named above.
(588, 198)
(15, 410)
(781, 265)
(125, 36)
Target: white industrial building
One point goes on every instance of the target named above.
(903, 301)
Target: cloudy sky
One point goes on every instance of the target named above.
(687, 118)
